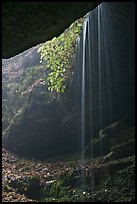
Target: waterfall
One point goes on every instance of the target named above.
(83, 93)
(102, 57)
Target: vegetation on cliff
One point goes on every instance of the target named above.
(57, 55)
(24, 76)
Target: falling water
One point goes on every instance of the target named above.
(101, 89)
(91, 104)
(83, 93)
(99, 68)
(83, 99)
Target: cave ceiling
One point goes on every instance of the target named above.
(26, 24)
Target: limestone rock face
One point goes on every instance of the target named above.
(36, 123)
(38, 132)
(115, 141)
(31, 122)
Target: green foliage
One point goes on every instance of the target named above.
(33, 179)
(56, 192)
(57, 56)
(56, 189)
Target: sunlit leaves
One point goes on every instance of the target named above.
(57, 56)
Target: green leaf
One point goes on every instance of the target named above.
(57, 54)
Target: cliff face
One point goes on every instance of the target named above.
(13, 74)
(31, 116)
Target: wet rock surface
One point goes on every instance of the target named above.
(117, 140)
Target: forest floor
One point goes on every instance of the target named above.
(25, 180)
